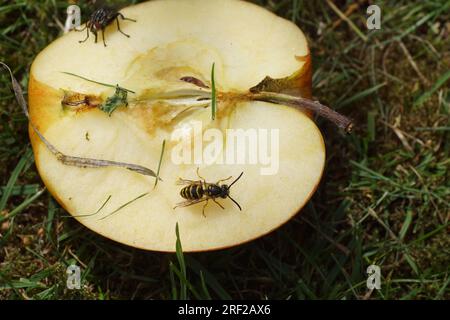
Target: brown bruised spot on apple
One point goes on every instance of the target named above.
(167, 63)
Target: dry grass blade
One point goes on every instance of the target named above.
(124, 205)
(413, 63)
(346, 19)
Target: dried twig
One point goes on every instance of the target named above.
(299, 102)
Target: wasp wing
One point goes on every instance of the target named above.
(188, 203)
(187, 182)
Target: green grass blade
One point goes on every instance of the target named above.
(204, 287)
(359, 95)
(160, 162)
(181, 262)
(213, 92)
(406, 224)
(51, 211)
(21, 190)
(209, 277)
(13, 178)
(172, 282)
(427, 94)
(22, 206)
(184, 282)
(96, 82)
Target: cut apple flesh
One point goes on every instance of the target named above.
(171, 40)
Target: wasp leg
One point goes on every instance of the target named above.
(218, 203)
(123, 18)
(118, 28)
(204, 207)
(222, 180)
(87, 36)
(79, 30)
(103, 37)
(198, 174)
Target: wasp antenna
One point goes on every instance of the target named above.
(235, 200)
(235, 180)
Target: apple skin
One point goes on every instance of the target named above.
(46, 114)
(305, 79)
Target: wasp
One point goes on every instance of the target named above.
(99, 20)
(200, 191)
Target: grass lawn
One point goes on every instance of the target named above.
(384, 198)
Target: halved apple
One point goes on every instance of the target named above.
(171, 40)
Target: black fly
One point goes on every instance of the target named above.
(200, 190)
(99, 20)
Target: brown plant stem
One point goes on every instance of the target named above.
(300, 103)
